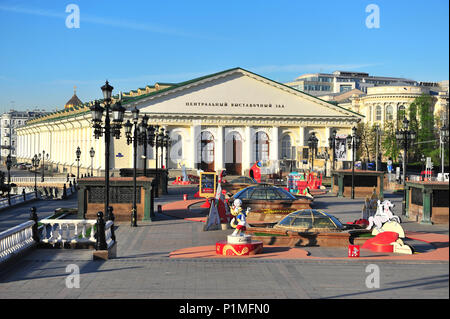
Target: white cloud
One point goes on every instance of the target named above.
(116, 22)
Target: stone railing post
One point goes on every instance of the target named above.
(111, 218)
(35, 230)
(101, 237)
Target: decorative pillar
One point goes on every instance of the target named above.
(195, 131)
(219, 153)
(427, 203)
(274, 145)
(301, 136)
(247, 160)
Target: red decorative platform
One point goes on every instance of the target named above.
(245, 249)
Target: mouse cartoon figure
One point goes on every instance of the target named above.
(239, 221)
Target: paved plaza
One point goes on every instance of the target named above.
(143, 267)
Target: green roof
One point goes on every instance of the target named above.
(127, 100)
(178, 85)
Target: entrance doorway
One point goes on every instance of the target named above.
(206, 152)
(233, 154)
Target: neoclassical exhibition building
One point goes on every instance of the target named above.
(227, 120)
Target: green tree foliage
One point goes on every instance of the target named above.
(414, 150)
(364, 150)
(388, 142)
(425, 131)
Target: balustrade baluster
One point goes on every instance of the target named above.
(59, 231)
(44, 231)
(75, 235)
(92, 237)
(83, 231)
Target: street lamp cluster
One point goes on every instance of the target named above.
(35, 163)
(332, 144)
(312, 145)
(353, 142)
(142, 134)
(118, 112)
(443, 138)
(404, 138)
(78, 154)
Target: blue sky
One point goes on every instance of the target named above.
(135, 43)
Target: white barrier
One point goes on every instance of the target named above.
(73, 231)
(31, 179)
(15, 240)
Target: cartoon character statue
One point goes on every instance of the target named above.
(239, 221)
(383, 215)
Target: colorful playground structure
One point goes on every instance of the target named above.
(301, 183)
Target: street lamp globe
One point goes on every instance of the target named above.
(128, 126)
(96, 112)
(107, 91)
(145, 120)
(118, 112)
(135, 113)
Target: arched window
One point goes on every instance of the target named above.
(389, 113)
(286, 147)
(206, 151)
(401, 112)
(176, 147)
(378, 113)
(261, 146)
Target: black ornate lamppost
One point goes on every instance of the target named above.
(92, 154)
(78, 154)
(332, 144)
(97, 113)
(143, 140)
(377, 142)
(35, 163)
(326, 158)
(133, 139)
(404, 139)
(8, 167)
(353, 142)
(166, 144)
(43, 165)
(150, 141)
(312, 145)
(443, 139)
(422, 160)
(160, 144)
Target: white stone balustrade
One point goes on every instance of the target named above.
(67, 230)
(15, 240)
(49, 180)
(16, 199)
(72, 231)
(18, 238)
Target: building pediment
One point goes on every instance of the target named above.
(237, 92)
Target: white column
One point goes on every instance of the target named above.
(219, 153)
(195, 131)
(274, 145)
(301, 134)
(247, 158)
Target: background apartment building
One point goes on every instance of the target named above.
(9, 121)
(318, 84)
